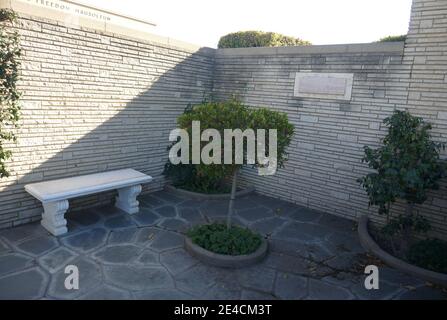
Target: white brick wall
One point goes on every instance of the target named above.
(325, 154)
(94, 102)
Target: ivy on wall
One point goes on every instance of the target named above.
(9, 73)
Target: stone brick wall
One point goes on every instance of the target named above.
(96, 101)
(325, 155)
(93, 102)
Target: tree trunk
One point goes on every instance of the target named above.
(406, 232)
(232, 198)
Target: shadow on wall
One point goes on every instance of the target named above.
(112, 130)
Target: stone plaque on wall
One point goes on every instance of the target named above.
(320, 85)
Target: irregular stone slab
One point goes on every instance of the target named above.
(268, 226)
(318, 252)
(254, 295)
(148, 257)
(86, 240)
(38, 246)
(244, 203)
(345, 243)
(124, 253)
(84, 218)
(166, 240)
(343, 262)
(197, 280)
(168, 197)
(303, 214)
(255, 214)
(162, 294)
(25, 285)
(319, 290)
(108, 211)
(256, 278)
(177, 261)
(145, 218)
(122, 221)
(214, 208)
(166, 211)
(20, 233)
(268, 202)
(4, 248)
(14, 262)
(191, 203)
(398, 278)
(290, 287)
(289, 247)
(286, 263)
(385, 291)
(343, 281)
(147, 235)
(192, 215)
(222, 291)
(104, 292)
(122, 236)
(423, 293)
(174, 224)
(138, 278)
(339, 224)
(90, 276)
(303, 232)
(56, 259)
(150, 201)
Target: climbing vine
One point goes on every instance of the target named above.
(9, 74)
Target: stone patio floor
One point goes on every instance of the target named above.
(312, 256)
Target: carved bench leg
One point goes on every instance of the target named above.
(127, 199)
(53, 217)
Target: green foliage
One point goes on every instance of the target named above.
(396, 227)
(231, 114)
(407, 165)
(217, 238)
(402, 37)
(244, 39)
(9, 72)
(430, 254)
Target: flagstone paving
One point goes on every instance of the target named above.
(312, 255)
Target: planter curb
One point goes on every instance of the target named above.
(223, 260)
(203, 196)
(370, 245)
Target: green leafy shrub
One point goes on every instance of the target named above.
(219, 239)
(9, 73)
(430, 254)
(408, 164)
(244, 39)
(402, 37)
(406, 167)
(232, 115)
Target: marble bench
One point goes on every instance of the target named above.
(54, 194)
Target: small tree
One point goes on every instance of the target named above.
(407, 166)
(9, 73)
(234, 115)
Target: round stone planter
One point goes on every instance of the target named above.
(204, 196)
(370, 245)
(223, 260)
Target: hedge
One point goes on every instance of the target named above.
(244, 39)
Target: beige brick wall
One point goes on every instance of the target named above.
(94, 102)
(325, 154)
(97, 101)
